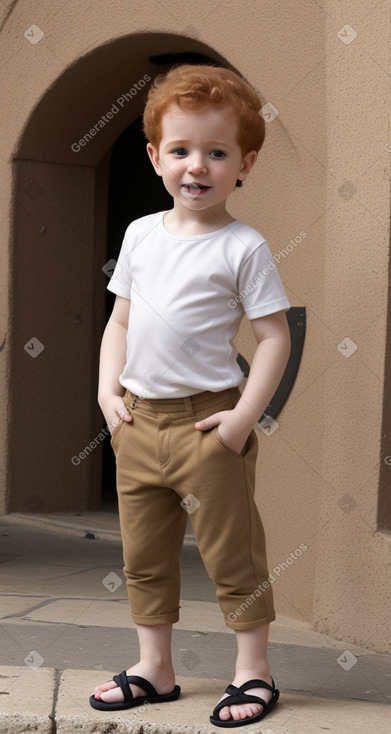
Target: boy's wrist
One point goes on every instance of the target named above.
(103, 396)
(245, 414)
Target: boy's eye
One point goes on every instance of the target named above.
(180, 151)
(217, 154)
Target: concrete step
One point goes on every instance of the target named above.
(48, 701)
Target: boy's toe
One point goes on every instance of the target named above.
(104, 686)
(112, 695)
(245, 711)
(225, 713)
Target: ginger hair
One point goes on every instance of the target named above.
(192, 87)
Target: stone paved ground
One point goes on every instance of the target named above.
(65, 627)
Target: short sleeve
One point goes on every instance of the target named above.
(260, 289)
(121, 280)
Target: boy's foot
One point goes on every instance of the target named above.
(162, 678)
(245, 711)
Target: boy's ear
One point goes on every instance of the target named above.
(154, 158)
(247, 164)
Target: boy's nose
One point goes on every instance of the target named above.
(197, 163)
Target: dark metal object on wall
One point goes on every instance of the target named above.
(296, 317)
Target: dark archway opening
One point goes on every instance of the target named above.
(134, 191)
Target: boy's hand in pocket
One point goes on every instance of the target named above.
(114, 410)
(231, 430)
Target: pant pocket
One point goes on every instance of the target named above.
(116, 432)
(127, 402)
(251, 442)
(226, 447)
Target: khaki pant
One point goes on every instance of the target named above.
(166, 471)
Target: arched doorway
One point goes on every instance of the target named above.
(61, 175)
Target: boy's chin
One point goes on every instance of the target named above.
(193, 204)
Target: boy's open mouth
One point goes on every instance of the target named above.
(194, 188)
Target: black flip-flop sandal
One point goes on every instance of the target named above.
(151, 695)
(237, 696)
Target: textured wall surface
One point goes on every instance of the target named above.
(319, 194)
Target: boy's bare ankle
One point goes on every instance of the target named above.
(157, 661)
(260, 671)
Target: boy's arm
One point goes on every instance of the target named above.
(112, 363)
(267, 368)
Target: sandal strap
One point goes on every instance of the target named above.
(254, 683)
(122, 680)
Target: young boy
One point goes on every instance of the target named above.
(183, 437)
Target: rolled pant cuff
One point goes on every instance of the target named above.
(250, 625)
(169, 618)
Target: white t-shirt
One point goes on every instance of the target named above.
(188, 296)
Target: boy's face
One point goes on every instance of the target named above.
(199, 158)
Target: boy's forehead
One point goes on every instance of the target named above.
(207, 118)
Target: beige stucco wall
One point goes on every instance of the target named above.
(323, 171)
